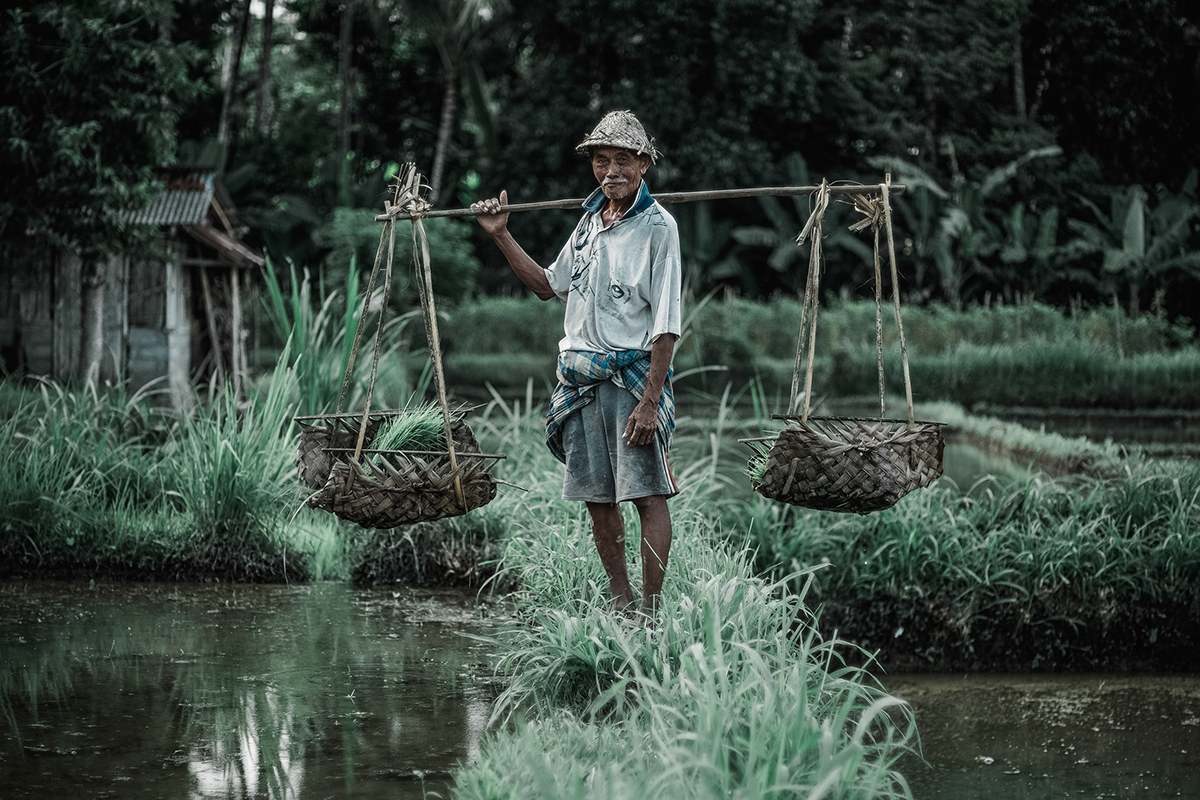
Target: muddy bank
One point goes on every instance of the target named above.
(1053, 466)
(1163, 433)
(425, 555)
(1050, 633)
(429, 554)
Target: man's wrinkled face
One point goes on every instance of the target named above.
(619, 171)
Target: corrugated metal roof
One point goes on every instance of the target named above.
(184, 200)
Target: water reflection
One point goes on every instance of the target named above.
(249, 691)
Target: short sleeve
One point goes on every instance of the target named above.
(666, 279)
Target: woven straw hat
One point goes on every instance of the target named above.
(619, 129)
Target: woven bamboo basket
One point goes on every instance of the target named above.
(389, 488)
(851, 464)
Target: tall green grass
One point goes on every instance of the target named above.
(318, 333)
(731, 693)
(104, 484)
(232, 467)
(80, 481)
(1068, 573)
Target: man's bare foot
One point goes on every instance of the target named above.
(637, 617)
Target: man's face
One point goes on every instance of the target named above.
(619, 171)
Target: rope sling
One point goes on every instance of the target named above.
(395, 487)
(847, 463)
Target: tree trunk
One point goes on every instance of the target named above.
(346, 99)
(262, 109)
(92, 280)
(232, 68)
(449, 104)
(345, 40)
(1018, 78)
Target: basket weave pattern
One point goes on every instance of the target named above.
(402, 489)
(839, 464)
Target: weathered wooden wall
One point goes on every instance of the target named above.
(146, 331)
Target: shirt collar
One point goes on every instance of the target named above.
(595, 201)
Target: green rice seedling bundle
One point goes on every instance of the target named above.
(417, 428)
(756, 467)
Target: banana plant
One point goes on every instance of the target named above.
(1031, 255)
(780, 237)
(1139, 243)
(953, 228)
(705, 248)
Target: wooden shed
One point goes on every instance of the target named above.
(177, 321)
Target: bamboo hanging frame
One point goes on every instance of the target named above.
(399, 486)
(850, 463)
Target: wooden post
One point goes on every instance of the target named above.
(178, 328)
(65, 316)
(237, 357)
(211, 318)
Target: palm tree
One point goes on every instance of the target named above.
(454, 27)
(1030, 250)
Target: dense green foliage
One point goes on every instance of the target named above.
(1047, 147)
(1021, 569)
(732, 693)
(92, 95)
(104, 484)
(1019, 573)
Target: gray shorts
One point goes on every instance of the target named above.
(601, 467)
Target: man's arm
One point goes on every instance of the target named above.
(643, 422)
(487, 214)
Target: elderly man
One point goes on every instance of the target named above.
(612, 413)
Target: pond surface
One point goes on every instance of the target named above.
(216, 691)
(1021, 737)
(213, 691)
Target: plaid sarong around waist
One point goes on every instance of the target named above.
(579, 371)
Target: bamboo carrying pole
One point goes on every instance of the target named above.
(665, 197)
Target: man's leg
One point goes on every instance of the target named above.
(656, 546)
(608, 531)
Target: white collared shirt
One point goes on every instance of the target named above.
(621, 284)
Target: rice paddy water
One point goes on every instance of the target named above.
(217, 691)
(213, 691)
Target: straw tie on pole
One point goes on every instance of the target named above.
(808, 311)
(877, 214)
